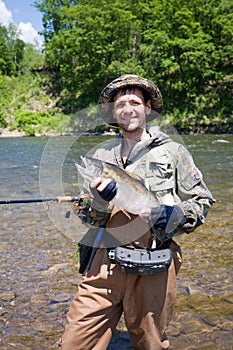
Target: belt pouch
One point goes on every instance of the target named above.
(142, 261)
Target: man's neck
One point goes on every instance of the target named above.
(130, 139)
(135, 135)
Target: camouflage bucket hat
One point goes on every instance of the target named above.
(129, 80)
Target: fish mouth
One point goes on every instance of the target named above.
(93, 165)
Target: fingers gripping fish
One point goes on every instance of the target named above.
(132, 195)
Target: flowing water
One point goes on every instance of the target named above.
(38, 271)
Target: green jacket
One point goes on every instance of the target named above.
(169, 173)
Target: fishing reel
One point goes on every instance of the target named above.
(82, 206)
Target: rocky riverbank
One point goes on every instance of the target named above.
(208, 129)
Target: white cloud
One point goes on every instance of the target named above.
(26, 30)
(5, 14)
(29, 34)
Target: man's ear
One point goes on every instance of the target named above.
(148, 107)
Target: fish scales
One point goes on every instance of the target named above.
(132, 195)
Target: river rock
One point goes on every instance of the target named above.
(55, 268)
(7, 296)
(227, 326)
(193, 289)
(61, 298)
(194, 326)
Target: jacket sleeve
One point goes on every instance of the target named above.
(196, 199)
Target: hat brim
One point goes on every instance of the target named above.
(108, 93)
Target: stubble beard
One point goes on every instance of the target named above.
(130, 130)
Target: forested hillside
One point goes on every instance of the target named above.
(185, 46)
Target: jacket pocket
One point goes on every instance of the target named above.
(159, 172)
(192, 178)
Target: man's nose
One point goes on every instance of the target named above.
(128, 108)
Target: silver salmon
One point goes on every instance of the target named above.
(132, 195)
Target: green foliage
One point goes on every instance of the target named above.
(7, 66)
(185, 46)
(32, 59)
(5, 98)
(11, 50)
(5, 90)
(3, 122)
(16, 56)
(91, 37)
(33, 123)
(25, 105)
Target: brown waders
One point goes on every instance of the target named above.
(106, 292)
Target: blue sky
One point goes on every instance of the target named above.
(24, 16)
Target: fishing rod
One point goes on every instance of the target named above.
(59, 199)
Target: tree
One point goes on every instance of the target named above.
(12, 50)
(33, 59)
(94, 40)
(7, 66)
(185, 46)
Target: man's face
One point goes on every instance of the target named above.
(130, 110)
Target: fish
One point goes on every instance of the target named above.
(132, 195)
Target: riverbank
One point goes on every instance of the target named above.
(208, 129)
(16, 133)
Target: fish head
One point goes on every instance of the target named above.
(101, 168)
(93, 169)
(98, 168)
(93, 165)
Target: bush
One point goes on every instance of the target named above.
(3, 123)
(36, 122)
(5, 91)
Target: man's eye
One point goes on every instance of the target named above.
(120, 105)
(132, 104)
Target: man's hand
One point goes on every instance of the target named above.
(165, 217)
(104, 189)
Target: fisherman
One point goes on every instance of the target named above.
(112, 283)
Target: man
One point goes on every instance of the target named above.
(109, 288)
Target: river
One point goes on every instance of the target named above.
(38, 271)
